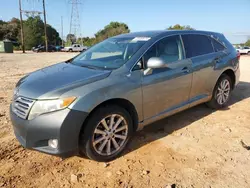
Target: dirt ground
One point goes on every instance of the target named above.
(195, 148)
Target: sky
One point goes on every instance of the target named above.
(230, 17)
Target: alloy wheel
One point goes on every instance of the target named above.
(110, 135)
(223, 92)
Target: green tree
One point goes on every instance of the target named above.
(86, 41)
(53, 36)
(180, 27)
(10, 30)
(2, 22)
(71, 38)
(247, 43)
(34, 33)
(112, 29)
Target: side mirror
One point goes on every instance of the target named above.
(156, 63)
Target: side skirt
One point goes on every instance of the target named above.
(183, 106)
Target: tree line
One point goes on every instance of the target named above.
(110, 30)
(33, 32)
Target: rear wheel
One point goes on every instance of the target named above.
(106, 133)
(221, 93)
(248, 53)
(70, 50)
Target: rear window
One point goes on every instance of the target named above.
(196, 45)
(217, 45)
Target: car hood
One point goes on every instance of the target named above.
(52, 81)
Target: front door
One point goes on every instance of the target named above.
(166, 89)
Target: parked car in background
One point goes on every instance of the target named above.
(93, 103)
(59, 48)
(41, 48)
(75, 48)
(243, 50)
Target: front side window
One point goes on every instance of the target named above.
(246, 47)
(196, 45)
(168, 49)
(111, 53)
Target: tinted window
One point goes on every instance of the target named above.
(196, 45)
(217, 45)
(168, 49)
(246, 47)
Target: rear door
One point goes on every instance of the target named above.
(200, 50)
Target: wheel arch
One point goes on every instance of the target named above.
(231, 74)
(124, 103)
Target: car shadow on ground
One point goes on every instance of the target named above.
(178, 121)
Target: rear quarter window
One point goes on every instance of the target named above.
(217, 45)
(196, 45)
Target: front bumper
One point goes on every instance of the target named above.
(64, 125)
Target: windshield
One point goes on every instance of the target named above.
(111, 53)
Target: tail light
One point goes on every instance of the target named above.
(238, 55)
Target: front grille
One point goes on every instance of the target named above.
(21, 106)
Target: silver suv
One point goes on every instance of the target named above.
(92, 104)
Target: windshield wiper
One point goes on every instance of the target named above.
(90, 67)
(69, 61)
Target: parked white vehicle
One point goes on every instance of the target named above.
(244, 50)
(75, 48)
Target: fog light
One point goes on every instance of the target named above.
(53, 143)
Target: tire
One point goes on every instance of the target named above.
(218, 102)
(70, 50)
(248, 53)
(90, 134)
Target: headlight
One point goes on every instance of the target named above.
(45, 106)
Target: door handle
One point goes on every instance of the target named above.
(185, 70)
(217, 59)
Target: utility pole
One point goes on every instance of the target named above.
(62, 29)
(45, 26)
(21, 19)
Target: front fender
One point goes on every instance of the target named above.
(126, 87)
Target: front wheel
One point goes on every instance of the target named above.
(248, 53)
(221, 93)
(106, 133)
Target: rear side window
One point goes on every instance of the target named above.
(217, 45)
(196, 45)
